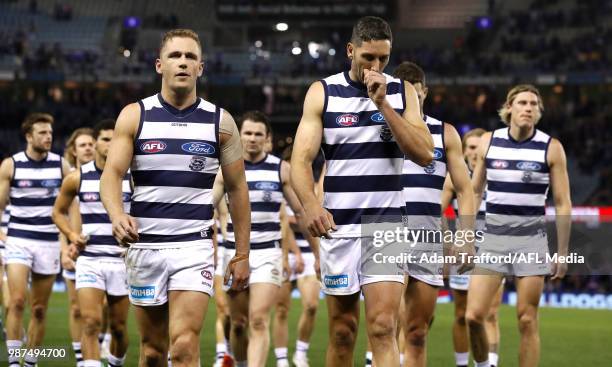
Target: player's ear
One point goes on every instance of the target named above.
(158, 66)
(200, 68)
(350, 49)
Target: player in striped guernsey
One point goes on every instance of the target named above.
(100, 270)
(422, 191)
(175, 143)
(459, 282)
(268, 180)
(365, 121)
(31, 180)
(518, 164)
(79, 150)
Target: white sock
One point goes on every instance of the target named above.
(30, 360)
(301, 349)
(462, 359)
(78, 355)
(493, 358)
(92, 363)
(221, 350)
(115, 361)
(368, 359)
(483, 364)
(401, 359)
(281, 353)
(169, 360)
(12, 345)
(100, 338)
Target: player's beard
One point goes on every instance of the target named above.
(40, 148)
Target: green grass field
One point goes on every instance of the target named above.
(569, 337)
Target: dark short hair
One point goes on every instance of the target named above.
(34, 118)
(371, 29)
(410, 72)
(106, 124)
(256, 116)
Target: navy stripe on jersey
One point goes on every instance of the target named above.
(171, 210)
(187, 237)
(195, 180)
(517, 187)
(27, 183)
(267, 166)
(177, 146)
(361, 150)
(265, 207)
(529, 144)
(34, 221)
(255, 246)
(423, 180)
(259, 227)
(33, 235)
(523, 230)
(508, 209)
(33, 201)
(360, 183)
(352, 216)
(423, 208)
(366, 118)
(516, 165)
(101, 240)
(30, 163)
(99, 254)
(95, 218)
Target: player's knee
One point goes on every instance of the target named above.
(259, 323)
(153, 356)
(75, 312)
(39, 312)
(118, 329)
(239, 326)
(344, 333)
(92, 325)
(382, 326)
(184, 347)
(474, 318)
(310, 309)
(492, 318)
(17, 304)
(417, 335)
(528, 322)
(460, 320)
(281, 312)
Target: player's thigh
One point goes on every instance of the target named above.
(220, 297)
(497, 299)
(529, 290)
(40, 290)
(152, 324)
(186, 312)
(460, 300)
(343, 310)
(382, 298)
(420, 299)
(118, 308)
(17, 279)
(91, 300)
(71, 290)
(310, 289)
(481, 290)
(238, 305)
(283, 297)
(261, 305)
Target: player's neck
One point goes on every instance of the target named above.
(35, 154)
(178, 100)
(254, 158)
(100, 162)
(521, 133)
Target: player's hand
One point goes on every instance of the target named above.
(77, 239)
(67, 260)
(376, 83)
(238, 269)
(2, 237)
(125, 230)
(470, 252)
(286, 269)
(299, 263)
(319, 222)
(558, 270)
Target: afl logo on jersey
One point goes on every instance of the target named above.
(24, 183)
(90, 196)
(198, 148)
(348, 119)
(153, 146)
(378, 117)
(528, 166)
(499, 164)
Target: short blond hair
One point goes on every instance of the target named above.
(477, 132)
(504, 111)
(182, 33)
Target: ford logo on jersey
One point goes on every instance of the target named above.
(348, 119)
(528, 166)
(378, 117)
(153, 146)
(50, 183)
(268, 186)
(437, 154)
(499, 164)
(198, 148)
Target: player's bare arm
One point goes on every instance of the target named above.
(62, 207)
(234, 181)
(6, 175)
(118, 162)
(459, 176)
(479, 176)
(410, 131)
(563, 204)
(305, 149)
